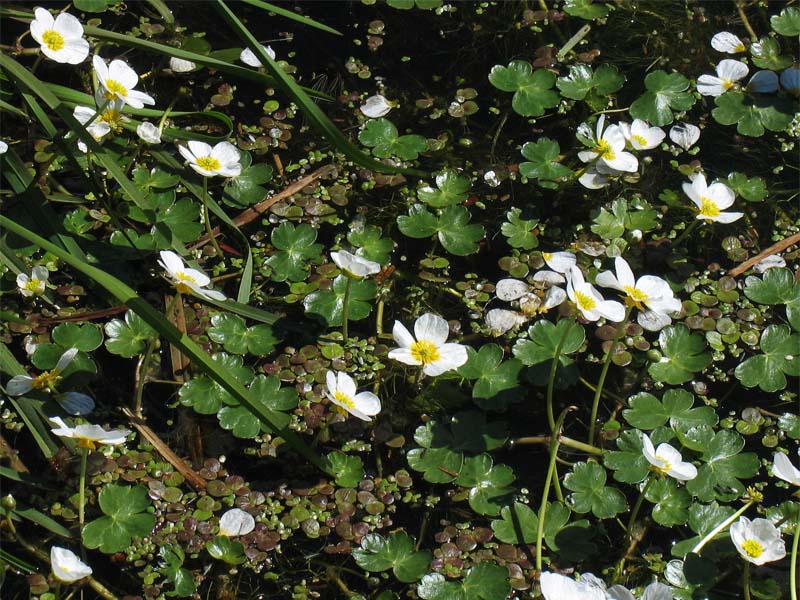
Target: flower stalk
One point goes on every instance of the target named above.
(207, 220)
(722, 526)
(346, 309)
(551, 381)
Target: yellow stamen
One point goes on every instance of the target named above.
(425, 352)
(87, 443)
(115, 88)
(182, 288)
(727, 84)
(33, 285)
(667, 466)
(345, 400)
(208, 163)
(46, 381)
(635, 297)
(584, 301)
(603, 148)
(639, 140)
(708, 207)
(753, 548)
(53, 40)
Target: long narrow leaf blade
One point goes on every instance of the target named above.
(291, 15)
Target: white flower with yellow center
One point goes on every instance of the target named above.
(236, 522)
(729, 71)
(667, 460)
(783, 468)
(650, 294)
(342, 392)
(66, 565)
(249, 57)
(711, 200)
(149, 133)
(726, 42)
(35, 284)
(100, 125)
(685, 135)
(588, 300)
(641, 136)
(429, 348)
(186, 280)
(758, 541)
(608, 150)
(46, 382)
(61, 38)
(89, 436)
(117, 81)
(222, 159)
(354, 266)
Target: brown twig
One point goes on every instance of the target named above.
(774, 249)
(193, 478)
(85, 316)
(14, 461)
(745, 20)
(254, 211)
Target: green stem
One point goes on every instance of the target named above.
(551, 470)
(82, 494)
(563, 440)
(746, 580)
(601, 382)
(552, 379)
(346, 308)
(710, 535)
(637, 506)
(793, 564)
(689, 229)
(141, 376)
(207, 220)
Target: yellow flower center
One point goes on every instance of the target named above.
(547, 255)
(208, 163)
(584, 301)
(634, 297)
(46, 381)
(33, 285)
(111, 117)
(667, 466)
(183, 284)
(739, 48)
(53, 40)
(752, 548)
(603, 148)
(115, 88)
(183, 277)
(727, 84)
(344, 400)
(639, 140)
(87, 443)
(708, 208)
(425, 352)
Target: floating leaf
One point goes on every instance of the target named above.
(124, 518)
(381, 135)
(788, 22)
(628, 461)
(533, 92)
(544, 340)
(724, 465)
(581, 80)
(225, 549)
(666, 92)
(497, 383)
(128, 338)
(247, 188)
(754, 189)
(295, 247)
(454, 230)
(348, 470)
(780, 357)
(766, 54)
(451, 188)
(86, 337)
(181, 580)
(488, 485)
(329, 304)
(370, 244)
(585, 9)
(682, 355)
(648, 412)
(485, 581)
(543, 155)
(703, 518)
(231, 331)
(395, 552)
(752, 116)
(671, 502)
(519, 231)
(776, 287)
(587, 481)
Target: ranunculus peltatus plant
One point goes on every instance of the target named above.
(409, 300)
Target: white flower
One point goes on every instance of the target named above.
(685, 135)
(729, 71)
(186, 280)
(609, 149)
(790, 80)
(355, 266)
(429, 349)
(561, 587)
(342, 392)
(3, 147)
(110, 120)
(589, 301)
(650, 294)
(667, 460)
(236, 522)
(654, 591)
(222, 159)
(500, 320)
(641, 136)
(711, 200)
(61, 38)
(149, 133)
(594, 180)
(783, 468)
(770, 262)
(67, 567)
(118, 80)
(22, 384)
(89, 436)
(375, 106)
(763, 82)
(249, 58)
(758, 541)
(727, 42)
(35, 284)
(560, 262)
(179, 65)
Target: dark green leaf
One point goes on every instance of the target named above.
(647, 412)
(586, 9)
(724, 465)
(497, 383)
(124, 518)
(781, 357)
(451, 188)
(348, 470)
(329, 304)
(295, 247)
(587, 481)
(395, 552)
(671, 502)
(86, 337)
(665, 92)
(544, 158)
(128, 338)
(519, 231)
(682, 355)
(370, 244)
(533, 92)
(226, 550)
(788, 22)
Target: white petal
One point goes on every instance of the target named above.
(770, 262)
(560, 262)
(138, 99)
(549, 278)
(657, 591)
(708, 85)
(731, 70)
(171, 262)
(500, 320)
(68, 26)
(624, 272)
(648, 450)
(555, 296)
(375, 107)
(66, 359)
(100, 68)
(607, 279)
(611, 310)
(236, 522)
(402, 336)
(763, 82)
(685, 135)
(593, 180)
(19, 384)
(619, 592)
(683, 471)
(452, 356)
(345, 384)
(66, 565)
(404, 356)
(726, 217)
(622, 161)
(118, 70)
(432, 328)
(511, 289)
(179, 65)
(40, 272)
(721, 195)
(199, 149)
(783, 468)
(587, 155)
(75, 403)
(367, 403)
(226, 153)
(148, 133)
(727, 42)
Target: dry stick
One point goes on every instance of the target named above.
(14, 461)
(176, 461)
(774, 249)
(252, 213)
(745, 20)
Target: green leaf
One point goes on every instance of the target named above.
(628, 461)
(518, 524)
(419, 223)
(451, 188)
(246, 189)
(181, 580)
(468, 432)
(395, 552)
(266, 391)
(665, 92)
(128, 338)
(497, 384)
(329, 304)
(647, 412)
(93, 6)
(752, 116)
(776, 287)
(485, 581)
(585, 9)
(724, 465)
(295, 247)
(780, 357)
(124, 518)
(86, 337)
(581, 80)
(224, 549)
(533, 92)
(437, 465)
(381, 135)
(703, 518)
(519, 231)
(544, 339)
(348, 470)
(206, 396)
(610, 225)
(456, 234)
(231, 331)
(671, 502)
(754, 189)
(543, 155)
(488, 485)
(682, 355)
(790, 423)
(155, 178)
(370, 244)
(587, 481)
(766, 54)
(788, 22)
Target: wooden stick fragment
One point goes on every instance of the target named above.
(774, 249)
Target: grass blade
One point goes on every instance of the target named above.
(291, 15)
